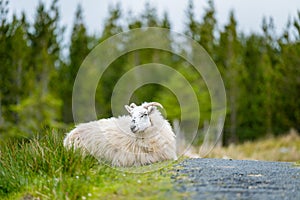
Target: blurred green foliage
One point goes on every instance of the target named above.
(261, 71)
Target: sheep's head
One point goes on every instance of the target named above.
(140, 119)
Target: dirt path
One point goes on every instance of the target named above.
(237, 179)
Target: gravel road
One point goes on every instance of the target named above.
(237, 179)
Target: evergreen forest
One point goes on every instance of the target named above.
(261, 71)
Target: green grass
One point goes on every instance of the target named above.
(42, 168)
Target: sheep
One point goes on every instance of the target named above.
(140, 138)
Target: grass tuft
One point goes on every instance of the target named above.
(43, 169)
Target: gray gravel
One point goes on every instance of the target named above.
(237, 179)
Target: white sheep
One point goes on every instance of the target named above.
(140, 138)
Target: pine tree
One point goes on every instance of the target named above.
(19, 55)
(40, 107)
(14, 53)
(78, 51)
(288, 82)
(232, 70)
(207, 28)
(269, 63)
(202, 31)
(165, 23)
(114, 71)
(4, 80)
(149, 16)
(112, 23)
(192, 25)
(253, 127)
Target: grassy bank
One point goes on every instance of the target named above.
(43, 169)
(282, 148)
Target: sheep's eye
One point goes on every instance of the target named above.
(144, 115)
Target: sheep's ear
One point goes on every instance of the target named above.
(128, 108)
(132, 105)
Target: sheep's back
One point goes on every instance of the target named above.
(106, 139)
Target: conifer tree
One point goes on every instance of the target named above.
(289, 82)
(192, 25)
(4, 80)
(40, 108)
(207, 28)
(233, 71)
(78, 51)
(114, 71)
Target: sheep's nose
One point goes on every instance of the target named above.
(133, 128)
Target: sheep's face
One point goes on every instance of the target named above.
(140, 119)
